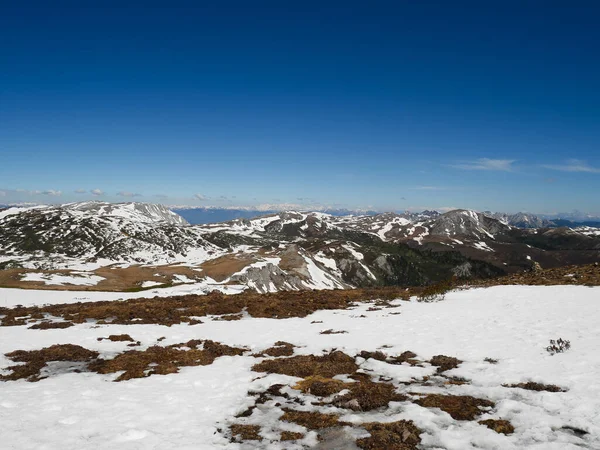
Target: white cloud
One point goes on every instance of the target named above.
(2, 193)
(200, 197)
(428, 188)
(573, 165)
(97, 192)
(128, 194)
(80, 191)
(504, 165)
(52, 192)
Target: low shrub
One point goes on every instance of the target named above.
(435, 292)
(558, 346)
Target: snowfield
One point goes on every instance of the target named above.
(186, 410)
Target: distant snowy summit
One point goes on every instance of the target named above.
(133, 211)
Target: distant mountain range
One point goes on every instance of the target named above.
(205, 215)
(283, 250)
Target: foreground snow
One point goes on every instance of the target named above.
(184, 410)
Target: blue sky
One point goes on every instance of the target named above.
(387, 105)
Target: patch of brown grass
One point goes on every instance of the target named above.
(173, 310)
(331, 331)
(36, 360)
(118, 338)
(241, 432)
(302, 366)
(312, 420)
(157, 360)
(219, 269)
(499, 426)
(366, 395)
(115, 278)
(291, 436)
(321, 386)
(280, 348)
(401, 435)
(405, 357)
(460, 407)
(531, 386)
(47, 325)
(228, 317)
(457, 381)
(444, 363)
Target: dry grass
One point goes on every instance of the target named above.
(302, 366)
(118, 338)
(444, 363)
(331, 331)
(47, 325)
(173, 310)
(460, 407)
(291, 436)
(531, 386)
(115, 279)
(366, 395)
(36, 360)
(401, 435)
(320, 386)
(133, 363)
(312, 420)
(279, 349)
(158, 360)
(405, 357)
(219, 269)
(245, 432)
(499, 426)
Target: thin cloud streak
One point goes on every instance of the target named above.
(573, 165)
(503, 165)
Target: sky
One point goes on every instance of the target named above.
(380, 105)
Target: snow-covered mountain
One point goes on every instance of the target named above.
(284, 250)
(521, 220)
(97, 233)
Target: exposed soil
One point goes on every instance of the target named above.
(330, 331)
(401, 435)
(327, 366)
(460, 407)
